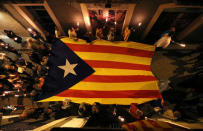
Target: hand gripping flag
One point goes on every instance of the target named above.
(104, 72)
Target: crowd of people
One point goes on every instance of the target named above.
(22, 78)
(98, 115)
(105, 33)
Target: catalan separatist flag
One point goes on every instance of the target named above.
(152, 125)
(105, 72)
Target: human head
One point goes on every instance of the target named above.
(83, 105)
(95, 108)
(30, 41)
(173, 29)
(33, 93)
(7, 67)
(66, 101)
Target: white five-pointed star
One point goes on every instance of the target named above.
(68, 68)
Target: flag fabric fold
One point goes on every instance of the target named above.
(112, 72)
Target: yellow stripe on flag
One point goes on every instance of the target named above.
(114, 57)
(123, 72)
(148, 124)
(101, 86)
(149, 85)
(72, 41)
(163, 124)
(133, 45)
(122, 101)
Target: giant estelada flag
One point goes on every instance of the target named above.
(104, 72)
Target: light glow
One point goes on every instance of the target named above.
(182, 45)
(2, 55)
(78, 24)
(6, 92)
(16, 95)
(29, 29)
(87, 20)
(16, 38)
(140, 23)
(1, 15)
(121, 118)
(106, 14)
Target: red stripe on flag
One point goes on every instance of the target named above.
(118, 79)
(144, 126)
(154, 123)
(117, 65)
(110, 94)
(110, 49)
